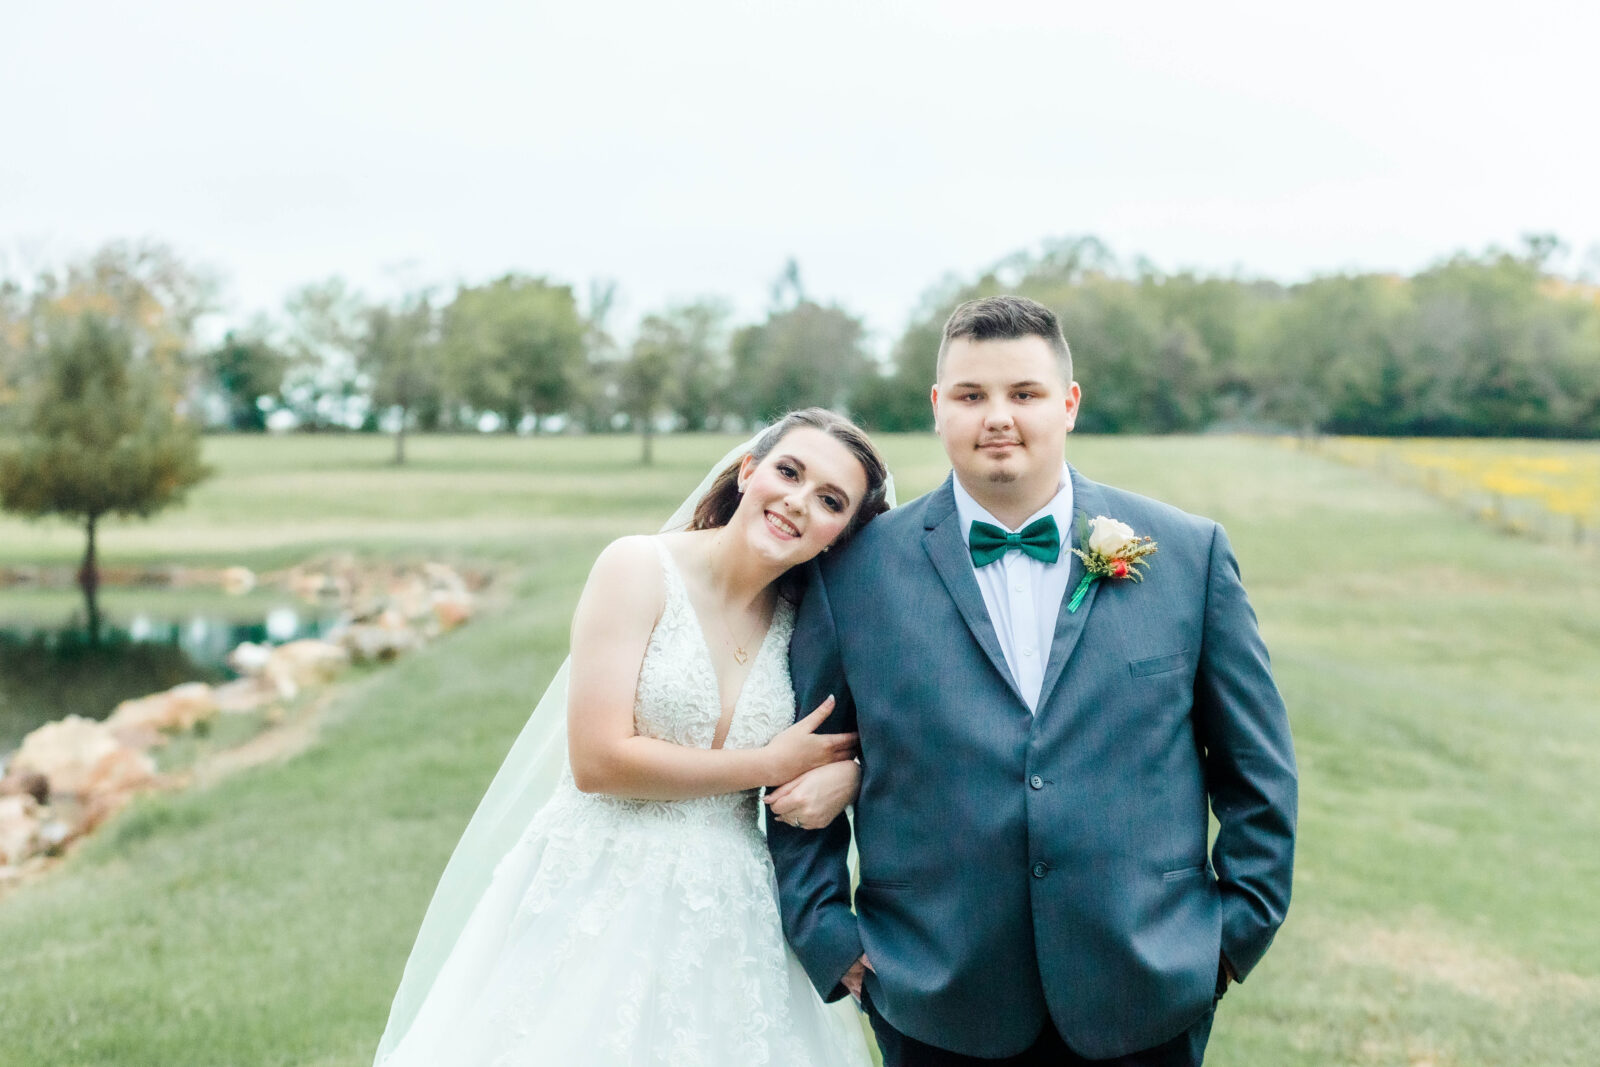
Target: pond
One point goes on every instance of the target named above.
(50, 669)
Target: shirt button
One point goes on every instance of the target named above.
(1027, 652)
(1036, 782)
(1040, 870)
(1016, 588)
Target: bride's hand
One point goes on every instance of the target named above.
(800, 748)
(816, 798)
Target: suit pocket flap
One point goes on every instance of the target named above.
(1143, 668)
(889, 884)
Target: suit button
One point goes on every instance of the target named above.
(1036, 782)
(1040, 870)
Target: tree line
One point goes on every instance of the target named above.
(1498, 343)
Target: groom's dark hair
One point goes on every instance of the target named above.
(1005, 318)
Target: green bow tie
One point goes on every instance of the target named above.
(1039, 539)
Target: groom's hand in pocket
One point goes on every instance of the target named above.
(856, 975)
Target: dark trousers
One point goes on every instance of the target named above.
(1188, 1049)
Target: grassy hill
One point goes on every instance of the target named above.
(1442, 680)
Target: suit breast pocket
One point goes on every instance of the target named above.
(1144, 668)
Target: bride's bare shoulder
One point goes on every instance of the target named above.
(629, 558)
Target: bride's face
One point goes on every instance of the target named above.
(801, 497)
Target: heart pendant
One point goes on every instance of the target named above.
(740, 656)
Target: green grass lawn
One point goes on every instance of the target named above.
(1442, 680)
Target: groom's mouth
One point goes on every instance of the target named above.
(781, 525)
(998, 446)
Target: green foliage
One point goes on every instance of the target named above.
(246, 369)
(516, 346)
(97, 435)
(322, 337)
(1488, 345)
(899, 401)
(677, 365)
(801, 356)
(143, 289)
(398, 352)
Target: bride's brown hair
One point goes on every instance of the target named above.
(716, 508)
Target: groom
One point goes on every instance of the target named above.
(1039, 753)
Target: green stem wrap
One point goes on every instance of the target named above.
(1079, 593)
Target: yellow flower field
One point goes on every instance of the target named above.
(1548, 488)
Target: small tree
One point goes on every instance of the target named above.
(399, 354)
(647, 378)
(96, 436)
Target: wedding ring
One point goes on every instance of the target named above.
(798, 825)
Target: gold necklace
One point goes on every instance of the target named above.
(740, 656)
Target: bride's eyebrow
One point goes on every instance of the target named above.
(800, 466)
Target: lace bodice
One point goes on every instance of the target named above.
(679, 699)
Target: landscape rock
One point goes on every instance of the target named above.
(54, 833)
(147, 720)
(380, 637)
(410, 596)
(238, 581)
(26, 783)
(65, 753)
(249, 658)
(19, 828)
(445, 579)
(244, 695)
(309, 661)
(451, 609)
(122, 771)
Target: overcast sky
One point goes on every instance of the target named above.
(689, 148)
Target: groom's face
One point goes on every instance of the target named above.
(1003, 409)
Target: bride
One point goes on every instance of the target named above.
(632, 919)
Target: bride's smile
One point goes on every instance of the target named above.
(800, 498)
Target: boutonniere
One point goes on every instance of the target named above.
(1112, 551)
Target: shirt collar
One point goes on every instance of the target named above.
(1059, 506)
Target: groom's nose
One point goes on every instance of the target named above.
(998, 415)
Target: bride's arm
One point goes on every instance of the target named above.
(610, 632)
(817, 797)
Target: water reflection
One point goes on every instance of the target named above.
(49, 673)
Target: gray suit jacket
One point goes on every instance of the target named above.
(1019, 866)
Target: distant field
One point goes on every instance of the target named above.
(1442, 678)
(1549, 488)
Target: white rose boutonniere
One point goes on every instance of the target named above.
(1106, 536)
(1113, 551)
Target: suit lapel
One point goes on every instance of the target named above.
(1087, 502)
(946, 545)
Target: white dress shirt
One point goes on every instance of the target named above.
(1023, 594)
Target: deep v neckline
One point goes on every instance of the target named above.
(671, 567)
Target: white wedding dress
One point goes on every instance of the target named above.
(633, 932)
